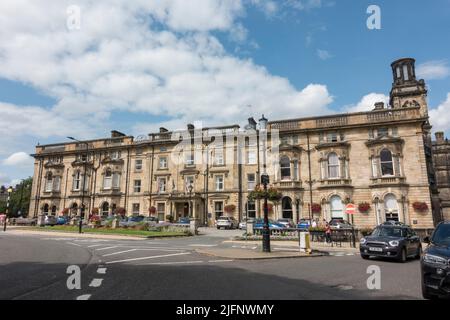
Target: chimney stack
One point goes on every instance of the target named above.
(439, 136)
(379, 105)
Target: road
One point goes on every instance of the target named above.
(34, 267)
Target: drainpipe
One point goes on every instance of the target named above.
(310, 178)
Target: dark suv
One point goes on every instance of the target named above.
(391, 241)
(435, 263)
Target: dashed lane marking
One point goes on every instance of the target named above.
(171, 263)
(96, 282)
(224, 260)
(119, 252)
(95, 245)
(150, 257)
(203, 245)
(107, 248)
(84, 297)
(74, 244)
(101, 270)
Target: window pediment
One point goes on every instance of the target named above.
(385, 140)
(332, 145)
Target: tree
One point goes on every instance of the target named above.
(19, 202)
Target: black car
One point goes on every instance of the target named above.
(391, 241)
(435, 263)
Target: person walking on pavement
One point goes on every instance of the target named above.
(328, 233)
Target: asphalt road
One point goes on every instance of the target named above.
(34, 267)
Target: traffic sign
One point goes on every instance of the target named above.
(350, 208)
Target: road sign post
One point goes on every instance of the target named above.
(350, 210)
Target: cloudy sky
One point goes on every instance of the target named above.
(136, 65)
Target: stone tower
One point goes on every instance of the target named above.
(406, 90)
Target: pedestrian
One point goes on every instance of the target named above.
(314, 223)
(328, 233)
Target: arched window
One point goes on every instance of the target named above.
(45, 209)
(74, 209)
(337, 208)
(286, 206)
(391, 207)
(54, 211)
(285, 165)
(105, 209)
(387, 166)
(49, 182)
(333, 166)
(77, 181)
(107, 179)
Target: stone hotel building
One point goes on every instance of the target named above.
(380, 160)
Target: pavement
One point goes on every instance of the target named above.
(36, 266)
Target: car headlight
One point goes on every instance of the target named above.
(363, 241)
(430, 258)
(394, 243)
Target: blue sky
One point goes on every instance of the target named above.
(137, 65)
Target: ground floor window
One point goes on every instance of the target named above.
(161, 209)
(391, 208)
(105, 209)
(286, 206)
(136, 208)
(54, 211)
(218, 209)
(45, 209)
(337, 208)
(251, 209)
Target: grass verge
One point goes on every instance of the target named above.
(117, 231)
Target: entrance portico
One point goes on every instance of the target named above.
(185, 205)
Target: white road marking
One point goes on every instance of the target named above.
(96, 283)
(151, 257)
(84, 297)
(75, 244)
(119, 252)
(95, 245)
(101, 270)
(214, 261)
(107, 248)
(203, 245)
(171, 263)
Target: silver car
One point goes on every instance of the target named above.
(50, 221)
(227, 223)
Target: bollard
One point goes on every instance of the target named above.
(304, 242)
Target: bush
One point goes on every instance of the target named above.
(316, 229)
(366, 231)
(169, 218)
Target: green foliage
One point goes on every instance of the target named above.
(19, 199)
(272, 193)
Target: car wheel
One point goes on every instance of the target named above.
(419, 252)
(402, 258)
(365, 256)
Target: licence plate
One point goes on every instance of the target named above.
(376, 249)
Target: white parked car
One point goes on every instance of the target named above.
(227, 223)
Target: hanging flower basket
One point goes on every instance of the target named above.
(316, 208)
(420, 206)
(152, 210)
(363, 207)
(65, 211)
(95, 211)
(121, 211)
(230, 208)
(272, 194)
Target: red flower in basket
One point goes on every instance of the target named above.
(420, 206)
(316, 208)
(363, 207)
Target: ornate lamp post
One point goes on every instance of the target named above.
(265, 182)
(83, 187)
(10, 190)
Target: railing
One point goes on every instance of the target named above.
(332, 122)
(388, 180)
(288, 184)
(51, 149)
(286, 125)
(391, 115)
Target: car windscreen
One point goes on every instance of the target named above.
(442, 234)
(388, 232)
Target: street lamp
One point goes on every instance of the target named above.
(83, 187)
(10, 190)
(265, 182)
(190, 187)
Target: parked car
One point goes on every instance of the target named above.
(435, 263)
(304, 224)
(337, 223)
(243, 224)
(62, 220)
(391, 241)
(184, 220)
(227, 223)
(23, 221)
(259, 223)
(50, 221)
(287, 223)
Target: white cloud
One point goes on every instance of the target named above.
(323, 54)
(5, 180)
(439, 116)
(433, 70)
(18, 159)
(367, 102)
